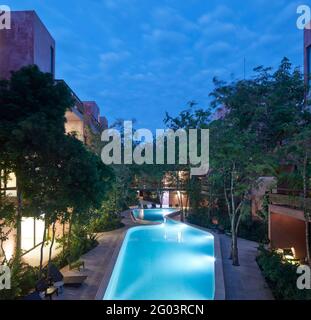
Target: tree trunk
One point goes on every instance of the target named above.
(232, 208)
(231, 251)
(63, 240)
(52, 242)
(18, 243)
(69, 232)
(187, 204)
(229, 213)
(180, 200)
(42, 246)
(235, 251)
(3, 253)
(305, 210)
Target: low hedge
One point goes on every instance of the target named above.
(281, 276)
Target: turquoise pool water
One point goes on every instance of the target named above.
(152, 214)
(167, 261)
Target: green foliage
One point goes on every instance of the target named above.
(23, 279)
(56, 174)
(106, 222)
(201, 218)
(262, 113)
(281, 276)
(254, 230)
(81, 242)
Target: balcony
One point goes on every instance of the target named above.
(78, 107)
(295, 202)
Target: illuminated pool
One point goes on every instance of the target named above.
(167, 261)
(152, 214)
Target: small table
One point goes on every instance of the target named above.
(50, 291)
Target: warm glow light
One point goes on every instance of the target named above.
(39, 230)
(9, 248)
(27, 234)
(294, 251)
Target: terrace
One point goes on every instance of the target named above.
(287, 222)
(231, 283)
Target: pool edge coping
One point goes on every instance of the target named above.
(105, 281)
(220, 292)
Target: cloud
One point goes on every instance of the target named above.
(149, 76)
(110, 59)
(284, 16)
(165, 37)
(219, 47)
(116, 43)
(111, 4)
(222, 22)
(221, 12)
(169, 18)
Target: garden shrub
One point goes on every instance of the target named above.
(250, 229)
(23, 279)
(254, 230)
(106, 222)
(203, 217)
(200, 218)
(281, 276)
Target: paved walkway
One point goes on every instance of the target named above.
(241, 283)
(98, 262)
(246, 281)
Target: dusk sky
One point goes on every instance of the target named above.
(141, 58)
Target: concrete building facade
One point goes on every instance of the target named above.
(28, 42)
(287, 223)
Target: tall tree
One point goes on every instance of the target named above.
(32, 117)
(261, 115)
(298, 153)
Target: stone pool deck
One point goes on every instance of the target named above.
(246, 281)
(99, 263)
(240, 283)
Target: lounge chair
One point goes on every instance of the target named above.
(56, 277)
(45, 290)
(60, 281)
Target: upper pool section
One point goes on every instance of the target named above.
(155, 215)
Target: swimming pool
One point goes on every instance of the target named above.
(170, 261)
(155, 215)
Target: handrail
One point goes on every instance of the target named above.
(289, 201)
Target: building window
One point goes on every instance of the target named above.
(32, 233)
(52, 60)
(8, 184)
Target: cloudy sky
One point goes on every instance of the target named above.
(141, 58)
